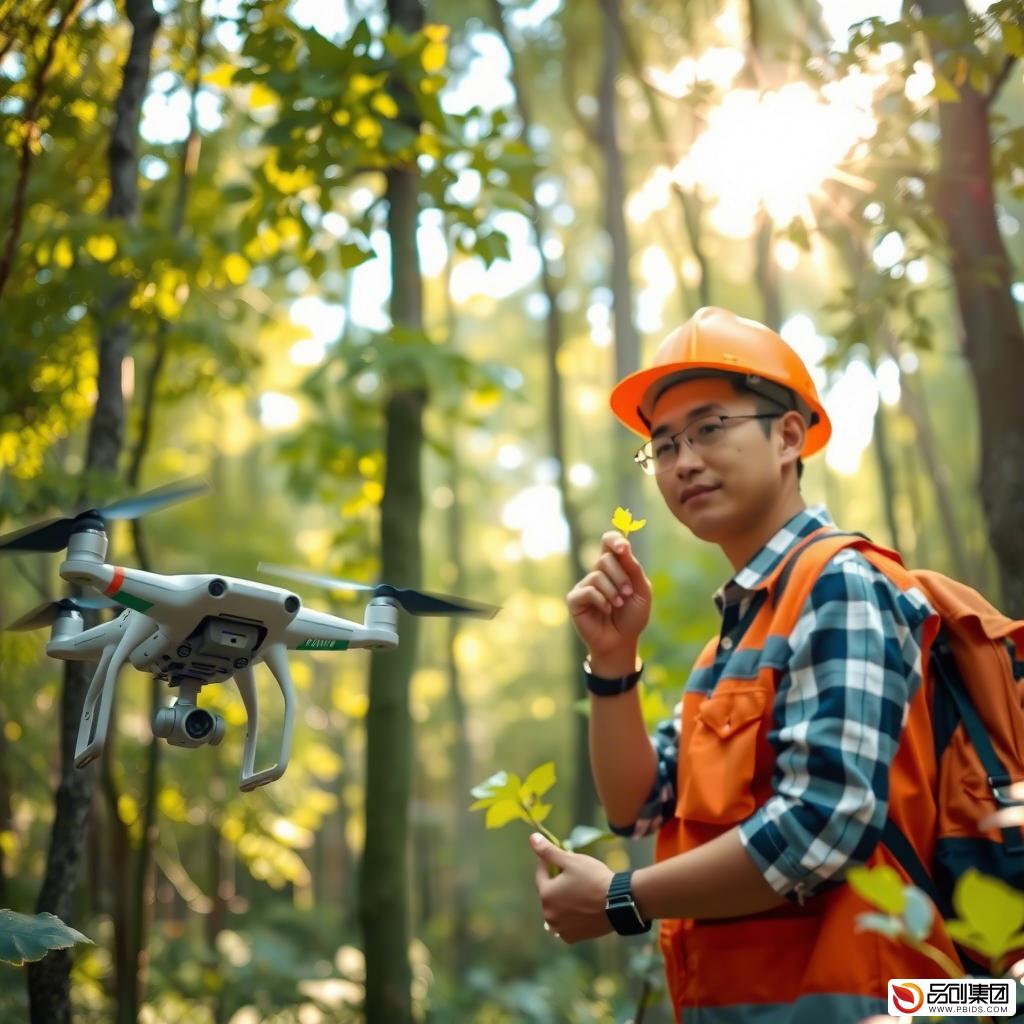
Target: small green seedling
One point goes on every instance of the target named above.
(990, 917)
(507, 798)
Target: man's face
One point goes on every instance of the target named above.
(723, 492)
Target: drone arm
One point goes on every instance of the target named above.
(99, 699)
(311, 630)
(276, 658)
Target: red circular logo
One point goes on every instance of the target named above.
(907, 996)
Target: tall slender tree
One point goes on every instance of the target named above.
(49, 978)
(990, 327)
(383, 886)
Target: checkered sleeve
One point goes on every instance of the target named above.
(661, 801)
(855, 663)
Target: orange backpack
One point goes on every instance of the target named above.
(976, 667)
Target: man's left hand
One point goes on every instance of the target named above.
(573, 901)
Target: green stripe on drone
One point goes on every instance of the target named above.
(129, 601)
(323, 645)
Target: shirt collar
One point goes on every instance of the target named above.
(754, 574)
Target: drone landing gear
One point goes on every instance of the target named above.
(276, 658)
(92, 733)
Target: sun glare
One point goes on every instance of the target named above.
(774, 149)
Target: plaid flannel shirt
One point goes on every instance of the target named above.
(854, 664)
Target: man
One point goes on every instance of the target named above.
(804, 723)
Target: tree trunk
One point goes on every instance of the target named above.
(885, 475)
(991, 334)
(142, 902)
(584, 797)
(384, 880)
(49, 979)
(912, 403)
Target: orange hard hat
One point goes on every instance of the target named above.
(715, 342)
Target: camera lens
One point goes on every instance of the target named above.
(198, 724)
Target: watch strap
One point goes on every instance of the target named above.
(602, 686)
(621, 908)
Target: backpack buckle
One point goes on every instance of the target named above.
(1001, 786)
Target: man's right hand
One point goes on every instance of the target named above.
(611, 606)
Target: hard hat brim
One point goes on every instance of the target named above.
(628, 396)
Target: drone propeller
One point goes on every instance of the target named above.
(46, 613)
(54, 534)
(416, 602)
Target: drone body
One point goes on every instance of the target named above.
(195, 630)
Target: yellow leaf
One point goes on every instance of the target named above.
(501, 812)
(539, 781)
(341, 117)
(367, 128)
(436, 33)
(540, 812)
(373, 491)
(237, 268)
(63, 254)
(384, 104)
(429, 146)
(220, 76)
(623, 520)
(945, 91)
(989, 906)
(360, 84)
(960, 75)
(433, 57)
(882, 887)
(101, 247)
(82, 110)
(261, 96)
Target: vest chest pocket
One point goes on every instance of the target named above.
(718, 767)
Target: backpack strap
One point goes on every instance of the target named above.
(999, 779)
(848, 539)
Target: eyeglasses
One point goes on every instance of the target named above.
(660, 453)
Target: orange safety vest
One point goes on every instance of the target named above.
(790, 963)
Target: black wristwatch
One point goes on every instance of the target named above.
(621, 908)
(600, 686)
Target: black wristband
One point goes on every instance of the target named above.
(601, 686)
(620, 907)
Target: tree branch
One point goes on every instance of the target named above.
(31, 130)
(1000, 79)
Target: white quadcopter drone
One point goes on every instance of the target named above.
(197, 629)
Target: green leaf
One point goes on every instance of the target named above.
(24, 937)
(583, 837)
(351, 254)
(918, 913)
(491, 786)
(539, 781)
(503, 811)
(882, 887)
(884, 924)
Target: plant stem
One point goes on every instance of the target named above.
(937, 956)
(537, 825)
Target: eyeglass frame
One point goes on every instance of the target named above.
(643, 460)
